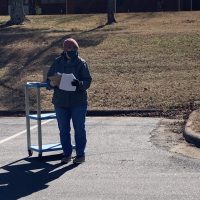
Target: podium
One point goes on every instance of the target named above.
(40, 148)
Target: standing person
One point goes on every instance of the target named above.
(71, 105)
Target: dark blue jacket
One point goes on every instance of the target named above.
(80, 70)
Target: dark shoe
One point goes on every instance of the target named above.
(79, 159)
(67, 159)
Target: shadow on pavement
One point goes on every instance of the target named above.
(28, 175)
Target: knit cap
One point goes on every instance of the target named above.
(70, 43)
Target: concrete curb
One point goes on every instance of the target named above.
(189, 134)
(136, 112)
(171, 113)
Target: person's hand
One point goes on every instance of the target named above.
(76, 82)
(55, 80)
(51, 83)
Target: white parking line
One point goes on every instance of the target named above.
(22, 132)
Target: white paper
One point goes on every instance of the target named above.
(66, 82)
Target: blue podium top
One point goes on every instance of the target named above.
(36, 84)
(43, 116)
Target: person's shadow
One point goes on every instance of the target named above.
(28, 175)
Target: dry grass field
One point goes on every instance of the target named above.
(145, 61)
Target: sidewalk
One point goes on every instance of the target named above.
(192, 128)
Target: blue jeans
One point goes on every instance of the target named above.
(64, 116)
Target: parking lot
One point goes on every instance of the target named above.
(121, 163)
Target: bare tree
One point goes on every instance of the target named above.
(111, 6)
(17, 15)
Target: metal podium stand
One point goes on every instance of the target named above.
(39, 117)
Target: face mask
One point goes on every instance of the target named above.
(72, 54)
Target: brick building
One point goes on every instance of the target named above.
(99, 6)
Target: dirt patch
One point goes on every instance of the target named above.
(169, 136)
(168, 133)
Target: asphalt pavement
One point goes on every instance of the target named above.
(121, 163)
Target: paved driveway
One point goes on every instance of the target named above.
(121, 163)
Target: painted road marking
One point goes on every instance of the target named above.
(22, 132)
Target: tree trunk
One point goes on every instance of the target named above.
(179, 5)
(17, 15)
(111, 5)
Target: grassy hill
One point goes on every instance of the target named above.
(146, 60)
